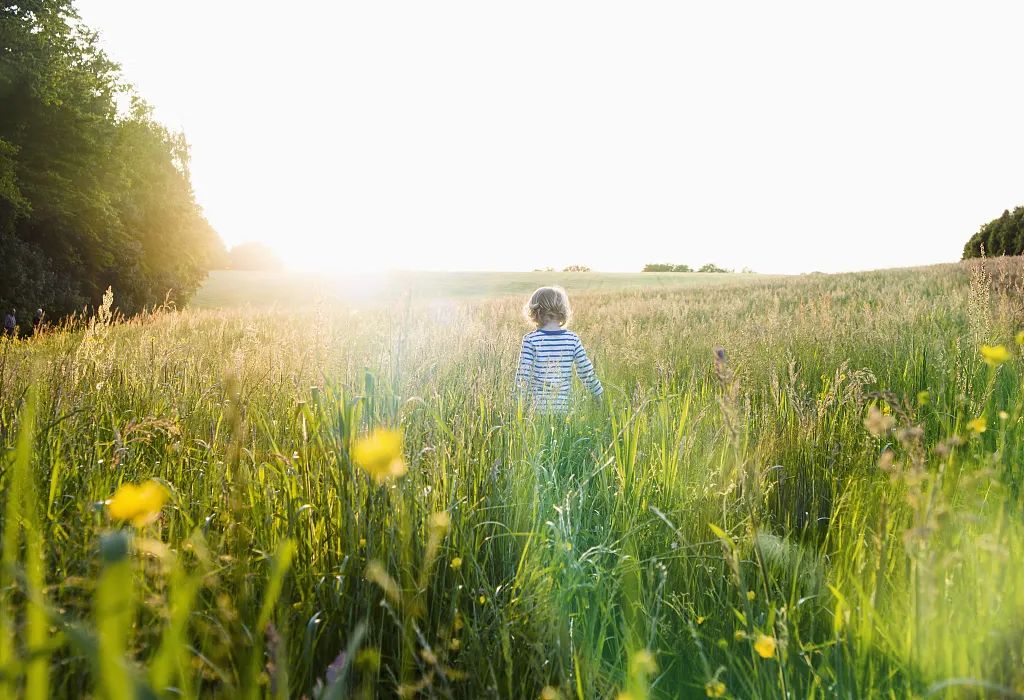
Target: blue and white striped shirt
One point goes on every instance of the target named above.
(546, 360)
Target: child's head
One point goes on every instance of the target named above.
(548, 304)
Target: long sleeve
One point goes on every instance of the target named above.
(585, 371)
(525, 371)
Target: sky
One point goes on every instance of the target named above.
(784, 137)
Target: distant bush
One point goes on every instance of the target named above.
(1002, 236)
(577, 268)
(666, 267)
(711, 267)
(253, 256)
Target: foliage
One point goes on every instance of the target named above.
(804, 513)
(1002, 236)
(576, 268)
(711, 267)
(253, 256)
(89, 197)
(666, 267)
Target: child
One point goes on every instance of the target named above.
(549, 353)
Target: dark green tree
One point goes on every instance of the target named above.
(711, 267)
(89, 197)
(1001, 236)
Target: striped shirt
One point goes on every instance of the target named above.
(546, 360)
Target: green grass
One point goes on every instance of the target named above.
(641, 547)
(227, 288)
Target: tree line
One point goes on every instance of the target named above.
(91, 195)
(670, 267)
(1001, 236)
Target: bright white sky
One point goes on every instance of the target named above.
(783, 136)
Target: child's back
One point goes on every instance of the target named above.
(549, 354)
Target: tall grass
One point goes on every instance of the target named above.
(806, 514)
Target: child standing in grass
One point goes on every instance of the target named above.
(550, 352)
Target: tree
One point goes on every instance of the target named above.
(577, 268)
(253, 256)
(711, 267)
(666, 267)
(1002, 236)
(89, 197)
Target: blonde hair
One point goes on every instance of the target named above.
(548, 304)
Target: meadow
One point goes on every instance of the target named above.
(798, 488)
(296, 290)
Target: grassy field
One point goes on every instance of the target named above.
(294, 290)
(831, 508)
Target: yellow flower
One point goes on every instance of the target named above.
(714, 689)
(362, 541)
(923, 398)
(455, 645)
(765, 646)
(380, 455)
(739, 635)
(1019, 337)
(549, 693)
(700, 619)
(1003, 415)
(995, 355)
(456, 563)
(751, 595)
(140, 504)
(482, 599)
(978, 425)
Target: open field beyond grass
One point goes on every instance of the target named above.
(294, 290)
(833, 510)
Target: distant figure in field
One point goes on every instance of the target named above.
(550, 352)
(37, 321)
(10, 324)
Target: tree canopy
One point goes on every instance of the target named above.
(666, 267)
(1002, 236)
(91, 195)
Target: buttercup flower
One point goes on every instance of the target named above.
(139, 504)
(978, 425)
(380, 455)
(995, 355)
(765, 646)
(714, 689)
